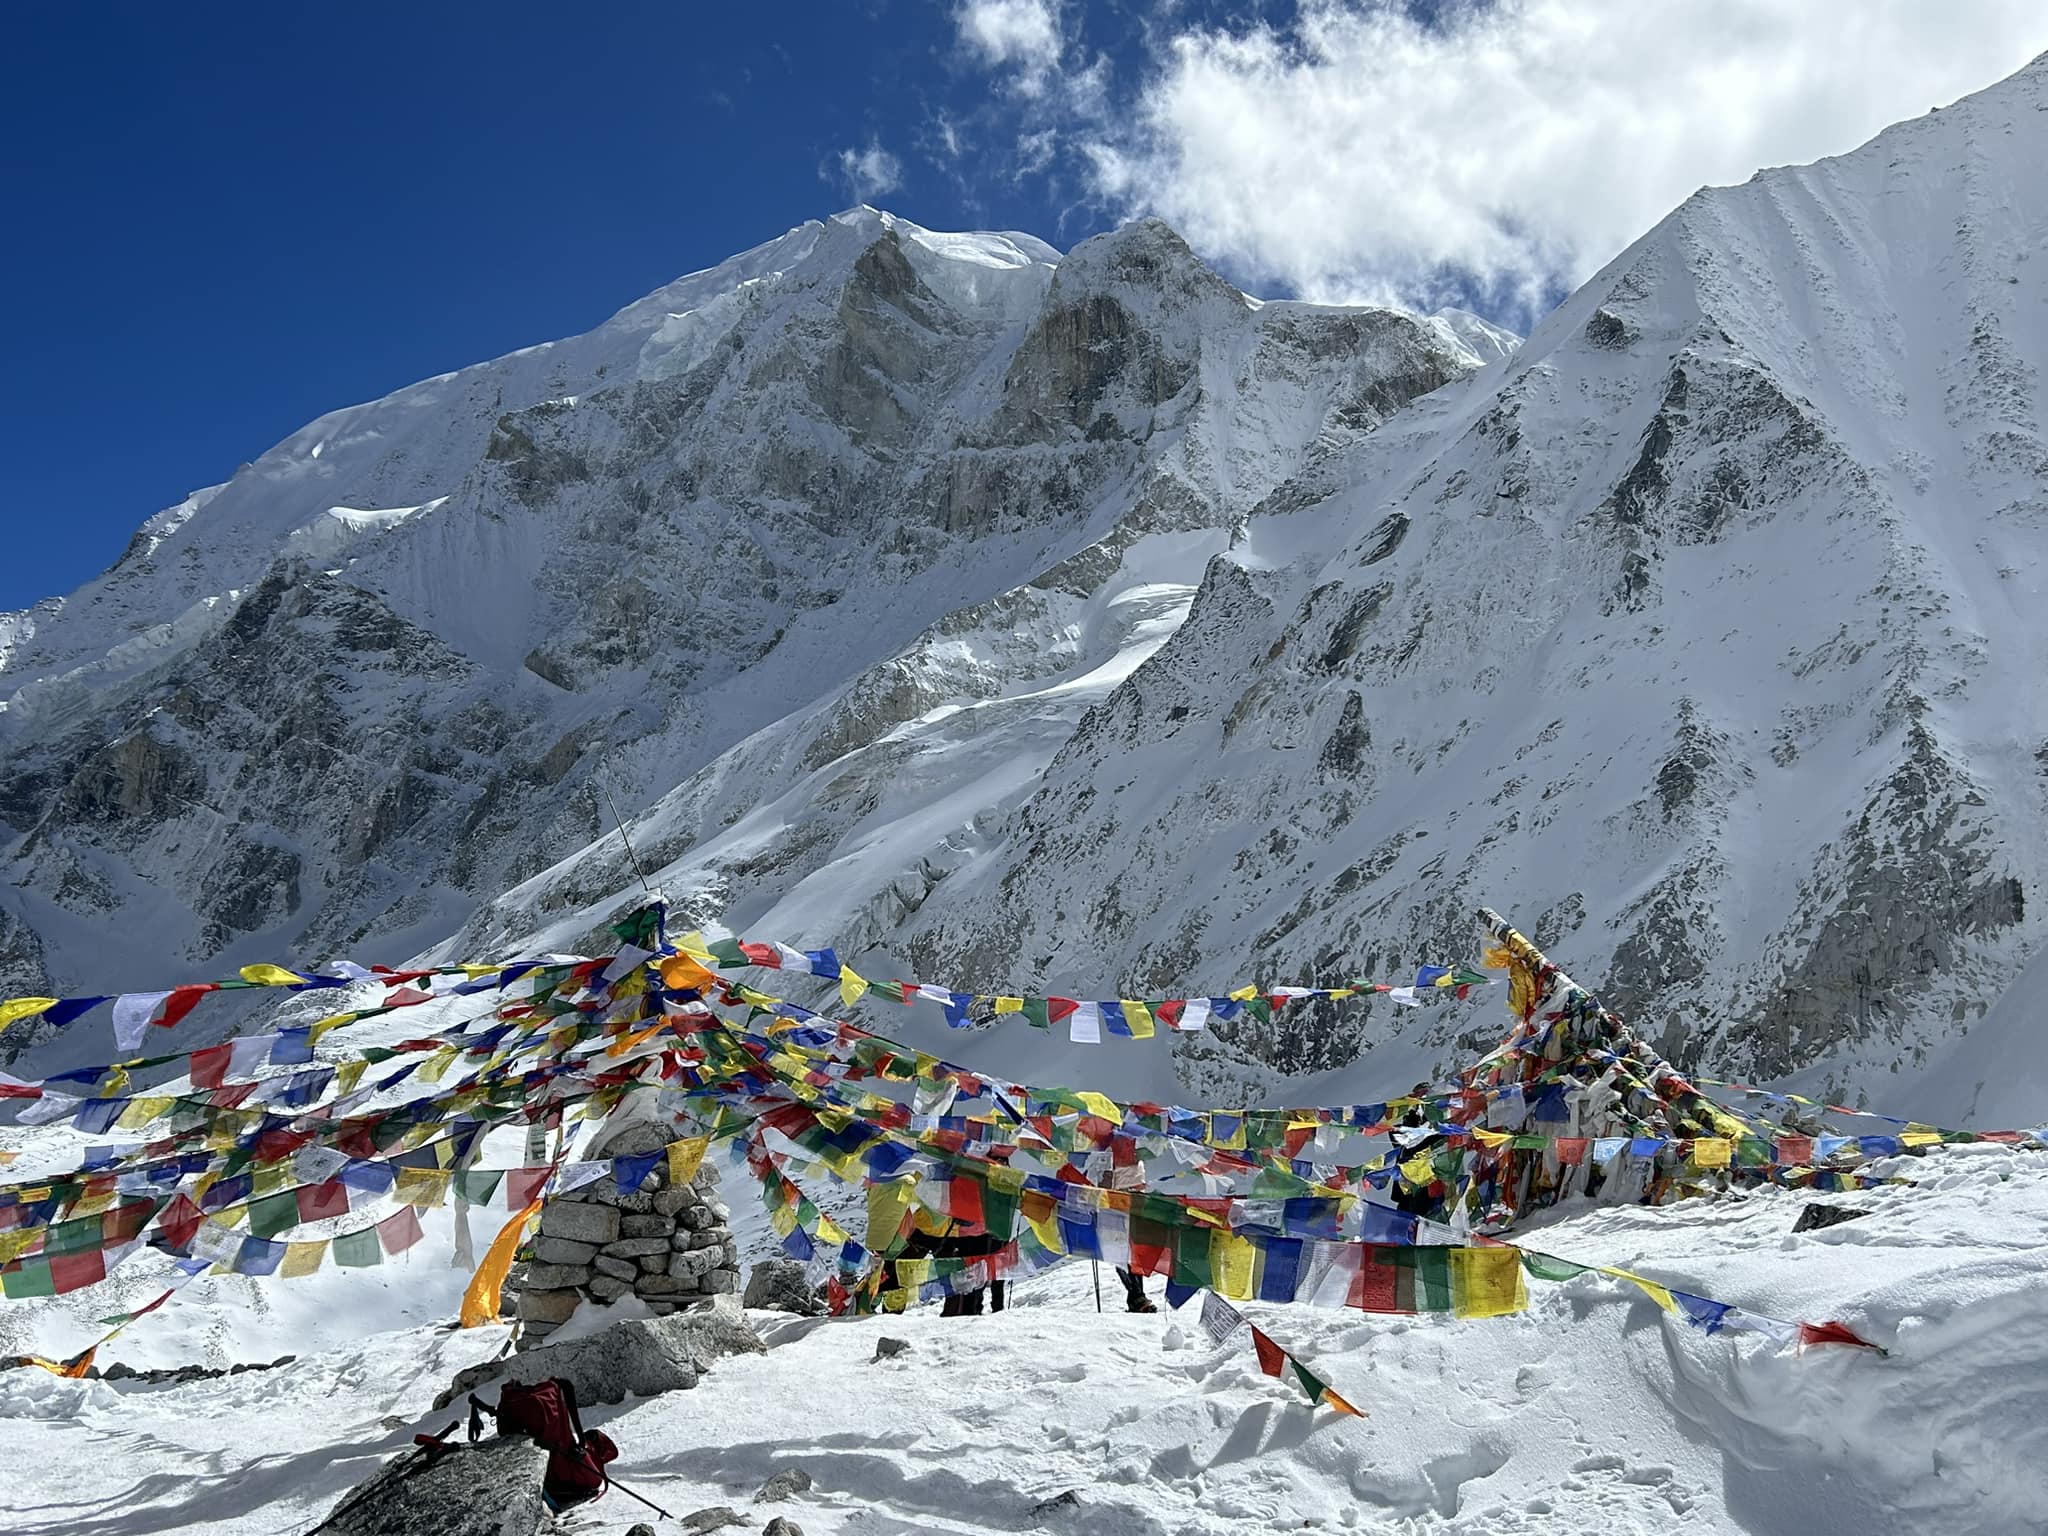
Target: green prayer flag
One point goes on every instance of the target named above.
(1035, 1013)
(358, 1250)
(31, 1278)
(478, 1186)
(80, 1236)
(1311, 1383)
(1544, 1267)
(274, 1213)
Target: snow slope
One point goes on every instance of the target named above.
(769, 514)
(1592, 1412)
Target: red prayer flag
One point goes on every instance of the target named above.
(210, 1066)
(319, 1202)
(1571, 1150)
(1831, 1333)
(400, 1230)
(1272, 1358)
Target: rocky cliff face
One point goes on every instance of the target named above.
(1078, 623)
(1699, 633)
(395, 665)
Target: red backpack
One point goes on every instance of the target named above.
(545, 1412)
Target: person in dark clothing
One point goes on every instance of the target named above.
(1135, 1299)
(980, 1246)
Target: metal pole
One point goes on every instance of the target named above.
(1096, 1265)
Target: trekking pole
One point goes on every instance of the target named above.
(1096, 1265)
(615, 1483)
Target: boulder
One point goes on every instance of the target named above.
(653, 1225)
(555, 1277)
(716, 1518)
(488, 1489)
(781, 1527)
(636, 1247)
(559, 1250)
(640, 1357)
(671, 1202)
(618, 1269)
(786, 1484)
(780, 1285)
(609, 1287)
(886, 1348)
(720, 1282)
(581, 1221)
(1816, 1215)
(547, 1308)
(636, 1138)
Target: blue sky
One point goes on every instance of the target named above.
(225, 220)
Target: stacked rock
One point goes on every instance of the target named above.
(667, 1244)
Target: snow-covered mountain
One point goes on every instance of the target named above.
(393, 665)
(1080, 623)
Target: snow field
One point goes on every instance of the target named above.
(1592, 1412)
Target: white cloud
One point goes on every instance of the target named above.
(1360, 154)
(1023, 35)
(870, 173)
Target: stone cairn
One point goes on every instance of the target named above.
(668, 1245)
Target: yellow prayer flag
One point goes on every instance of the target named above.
(348, 1074)
(1245, 994)
(423, 1188)
(1233, 1262)
(1649, 1288)
(1711, 1151)
(1487, 1282)
(684, 1157)
(888, 1209)
(1101, 1106)
(1137, 1017)
(852, 985)
(693, 945)
(271, 976)
(1488, 1138)
(1418, 1170)
(1009, 1005)
(302, 1258)
(913, 1272)
(24, 1008)
(1042, 1212)
(141, 1111)
(14, 1244)
(436, 1066)
(1919, 1136)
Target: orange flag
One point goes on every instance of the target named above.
(480, 1300)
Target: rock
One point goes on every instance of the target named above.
(488, 1489)
(659, 1285)
(1071, 1499)
(886, 1348)
(580, 1221)
(721, 1213)
(692, 1266)
(636, 1138)
(610, 1287)
(672, 1202)
(706, 1176)
(780, 1285)
(717, 1517)
(720, 1282)
(655, 1225)
(698, 1217)
(786, 1484)
(642, 1529)
(781, 1527)
(546, 1309)
(639, 1357)
(1816, 1216)
(556, 1277)
(652, 1264)
(636, 1247)
(618, 1269)
(560, 1250)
